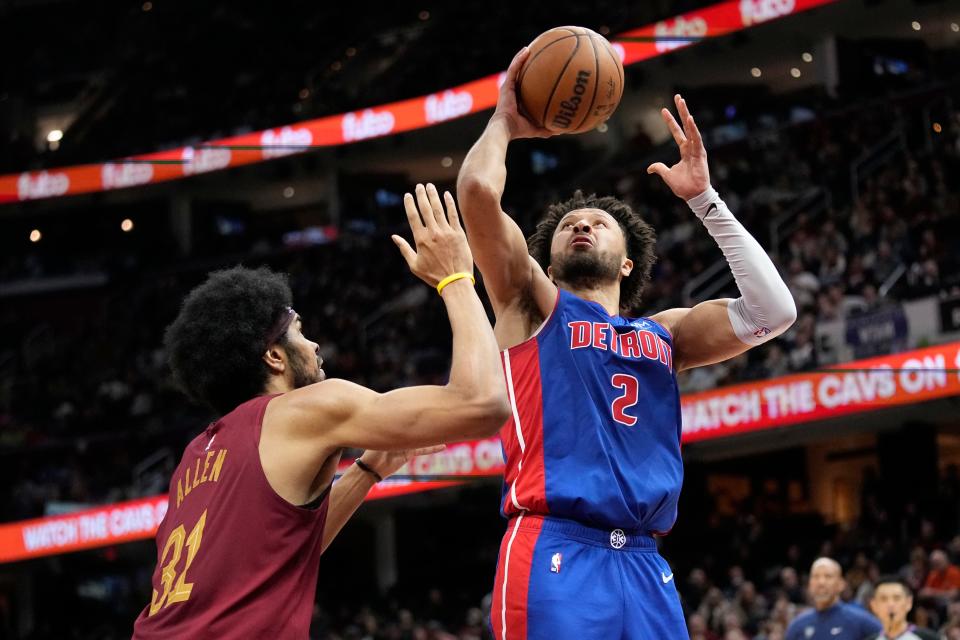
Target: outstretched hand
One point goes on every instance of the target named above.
(387, 463)
(690, 176)
(508, 108)
(441, 245)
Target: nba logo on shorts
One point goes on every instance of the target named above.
(555, 562)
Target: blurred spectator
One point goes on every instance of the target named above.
(915, 572)
(943, 582)
(790, 586)
(803, 285)
(830, 618)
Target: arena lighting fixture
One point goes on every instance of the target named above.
(424, 15)
(603, 128)
(795, 72)
(755, 72)
(954, 27)
(127, 225)
(807, 56)
(446, 161)
(288, 192)
(915, 25)
(35, 235)
(55, 136)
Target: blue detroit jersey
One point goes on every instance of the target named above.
(595, 432)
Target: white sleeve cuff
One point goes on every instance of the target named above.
(701, 204)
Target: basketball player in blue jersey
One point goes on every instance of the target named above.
(593, 446)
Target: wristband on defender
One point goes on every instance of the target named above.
(453, 278)
(365, 467)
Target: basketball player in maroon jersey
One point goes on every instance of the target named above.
(251, 505)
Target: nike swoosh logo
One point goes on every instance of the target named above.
(713, 205)
(666, 578)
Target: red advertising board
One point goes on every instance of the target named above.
(383, 120)
(110, 524)
(854, 387)
(139, 519)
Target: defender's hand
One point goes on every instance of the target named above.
(441, 245)
(507, 107)
(690, 177)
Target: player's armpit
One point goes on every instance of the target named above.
(336, 413)
(702, 335)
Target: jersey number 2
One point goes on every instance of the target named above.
(631, 393)
(180, 591)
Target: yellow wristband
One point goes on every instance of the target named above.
(453, 278)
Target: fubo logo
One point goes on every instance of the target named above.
(204, 160)
(447, 105)
(119, 175)
(285, 141)
(673, 34)
(369, 124)
(42, 185)
(757, 11)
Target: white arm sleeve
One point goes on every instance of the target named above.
(765, 308)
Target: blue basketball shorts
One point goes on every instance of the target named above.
(558, 580)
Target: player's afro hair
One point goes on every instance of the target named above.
(640, 236)
(215, 346)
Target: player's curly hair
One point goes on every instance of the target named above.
(215, 345)
(640, 236)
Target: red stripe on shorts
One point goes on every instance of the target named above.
(508, 613)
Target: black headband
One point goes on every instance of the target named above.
(281, 325)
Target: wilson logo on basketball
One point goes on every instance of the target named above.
(757, 11)
(568, 108)
(118, 176)
(42, 185)
(681, 29)
(450, 104)
(203, 160)
(369, 124)
(284, 142)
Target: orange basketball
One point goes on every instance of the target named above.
(572, 80)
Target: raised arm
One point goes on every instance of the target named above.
(320, 418)
(498, 245)
(717, 330)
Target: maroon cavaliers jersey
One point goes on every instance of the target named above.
(234, 559)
